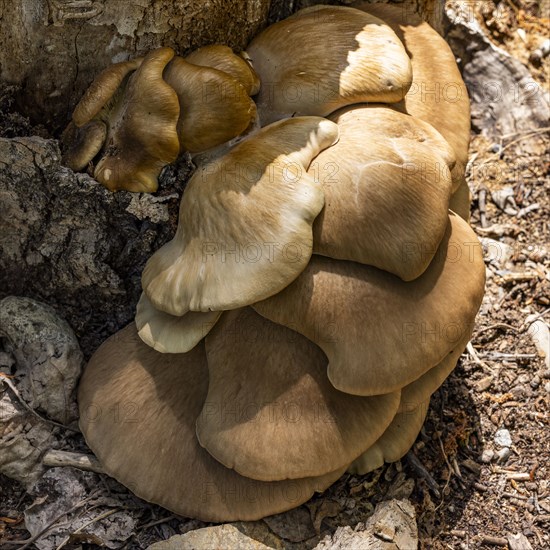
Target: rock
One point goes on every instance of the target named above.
(540, 335)
(487, 456)
(54, 48)
(48, 360)
(503, 455)
(210, 538)
(66, 240)
(66, 491)
(391, 527)
(503, 438)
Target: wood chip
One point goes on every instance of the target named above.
(519, 542)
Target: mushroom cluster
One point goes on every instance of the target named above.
(321, 284)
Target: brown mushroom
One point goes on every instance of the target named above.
(244, 229)
(326, 57)
(271, 412)
(437, 94)
(81, 145)
(384, 163)
(138, 408)
(223, 59)
(400, 435)
(378, 332)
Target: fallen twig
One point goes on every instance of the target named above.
(97, 518)
(418, 467)
(54, 458)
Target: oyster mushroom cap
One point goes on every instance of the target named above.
(137, 412)
(81, 145)
(388, 181)
(378, 332)
(245, 220)
(325, 57)
(400, 435)
(437, 94)
(271, 412)
(214, 106)
(142, 136)
(102, 89)
(224, 59)
(169, 333)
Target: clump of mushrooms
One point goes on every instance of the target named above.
(318, 289)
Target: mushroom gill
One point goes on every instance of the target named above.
(318, 289)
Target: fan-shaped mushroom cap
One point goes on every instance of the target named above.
(245, 220)
(271, 412)
(142, 136)
(387, 185)
(169, 333)
(378, 332)
(400, 435)
(214, 106)
(438, 94)
(222, 58)
(102, 90)
(137, 411)
(81, 145)
(325, 57)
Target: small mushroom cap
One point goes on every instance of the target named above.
(102, 89)
(214, 107)
(438, 94)
(142, 136)
(271, 412)
(326, 57)
(378, 332)
(138, 409)
(245, 220)
(384, 162)
(405, 427)
(222, 58)
(171, 334)
(81, 145)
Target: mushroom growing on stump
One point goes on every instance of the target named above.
(318, 289)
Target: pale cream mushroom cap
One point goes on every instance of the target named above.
(387, 184)
(326, 57)
(102, 89)
(245, 220)
(438, 94)
(137, 412)
(271, 412)
(400, 435)
(378, 332)
(142, 136)
(214, 107)
(169, 333)
(224, 59)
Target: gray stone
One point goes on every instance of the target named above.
(503, 438)
(210, 538)
(487, 456)
(391, 527)
(48, 360)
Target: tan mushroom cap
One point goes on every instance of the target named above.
(102, 90)
(271, 412)
(171, 334)
(378, 332)
(142, 136)
(214, 106)
(387, 185)
(405, 427)
(137, 412)
(326, 57)
(438, 94)
(81, 145)
(222, 58)
(245, 220)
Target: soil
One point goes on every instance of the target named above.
(464, 498)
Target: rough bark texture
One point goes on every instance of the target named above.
(54, 48)
(66, 240)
